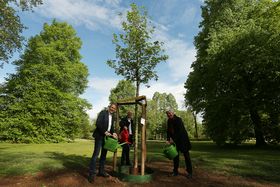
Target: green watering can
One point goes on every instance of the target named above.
(111, 144)
(170, 151)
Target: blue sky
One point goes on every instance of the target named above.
(95, 21)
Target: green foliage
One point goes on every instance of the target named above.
(136, 54)
(40, 103)
(156, 117)
(124, 90)
(189, 123)
(236, 77)
(11, 26)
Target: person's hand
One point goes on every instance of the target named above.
(169, 141)
(115, 136)
(108, 133)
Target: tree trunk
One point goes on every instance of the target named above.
(257, 128)
(195, 125)
(135, 165)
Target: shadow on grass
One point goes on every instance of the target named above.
(71, 163)
(247, 160)
(14, 164)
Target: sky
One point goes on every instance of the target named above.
(176, 24)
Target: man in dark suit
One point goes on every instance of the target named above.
(176, 133)
(104, 127)
(128, 122)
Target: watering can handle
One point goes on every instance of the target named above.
(169, 144)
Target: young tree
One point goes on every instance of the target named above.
(11, 26)
(40, 102)
(136, 54)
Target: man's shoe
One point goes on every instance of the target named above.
(189, 176)
(173, 174)
(103, 174)
(91, 178)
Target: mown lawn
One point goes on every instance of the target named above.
(245, 160)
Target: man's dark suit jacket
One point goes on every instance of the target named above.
(102, 123)
(176, 130)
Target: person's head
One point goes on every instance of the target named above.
(129, 114)
(112, 108)
(170, 113)
(125, 127)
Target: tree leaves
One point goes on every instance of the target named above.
(234, 74)
(40, 101)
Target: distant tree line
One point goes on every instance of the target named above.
(156, 107)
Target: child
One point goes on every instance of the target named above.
(124, 137)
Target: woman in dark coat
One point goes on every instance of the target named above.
(177, 133)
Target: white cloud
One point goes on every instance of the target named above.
(95, 15)
(188, 15)
(98, 106)
(102, 85)
(177, 90)
(99, 15)
(181, 54)
(98, 93)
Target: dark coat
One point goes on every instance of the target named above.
(102, 123)
(176, 130)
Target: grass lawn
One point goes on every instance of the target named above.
(245, 160)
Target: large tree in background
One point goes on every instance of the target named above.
(11, 26)
(137, 55)
(235, 81)
(124, 89)
(40, 101)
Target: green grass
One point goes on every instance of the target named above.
(245, 160)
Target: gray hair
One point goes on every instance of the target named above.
(169, 109)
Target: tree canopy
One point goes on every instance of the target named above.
(235, 79)
(11, 26)
(40, 103)
(124, 89)
(156, 113)
(136, 54)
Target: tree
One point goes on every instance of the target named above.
(11, 26)
(156, 113)
(40, 103)
(124, 89)
(234, 82)
(189, 123)
(137, 55)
